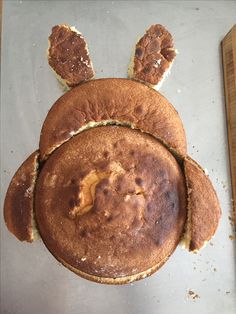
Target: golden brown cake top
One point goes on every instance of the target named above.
(111, 202)
(154, 53)
(112, 100)
(68, 55)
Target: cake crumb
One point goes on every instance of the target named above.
(227, 292)
(231, 237)
(193, 295)
(231, 216)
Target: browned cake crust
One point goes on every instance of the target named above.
(203, 206)
(154, 54)
(18, 205)
(107, 100)
(68, 55)
(111, 203)
(118, 280)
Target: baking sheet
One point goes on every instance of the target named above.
(32, 281)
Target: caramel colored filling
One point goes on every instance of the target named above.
(88, 185)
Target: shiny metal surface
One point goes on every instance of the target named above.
(32, 281)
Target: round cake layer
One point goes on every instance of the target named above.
(111, 202)
(112, 101)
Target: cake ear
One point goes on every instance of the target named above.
(153, 57)
(68, 56)
(203, 207)
(19, 201)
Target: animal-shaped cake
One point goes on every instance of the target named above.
(112, 190)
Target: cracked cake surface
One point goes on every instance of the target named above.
(154, 55)
(68, 55)
(107, 198)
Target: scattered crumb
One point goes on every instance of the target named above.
(219, 290)
(231, 216)
(193, 146)
(12, 151)
(193, 295)
(211, 244)
(224, 185)
(83, 259)
(230, 219)
(204, 279)
(214, 269)
(197, 9)
(194, 267)
(231, 237)
(227, 292)
(178, 91)
(34, 44)
(206, 172)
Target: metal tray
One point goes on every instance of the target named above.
(32, 281)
